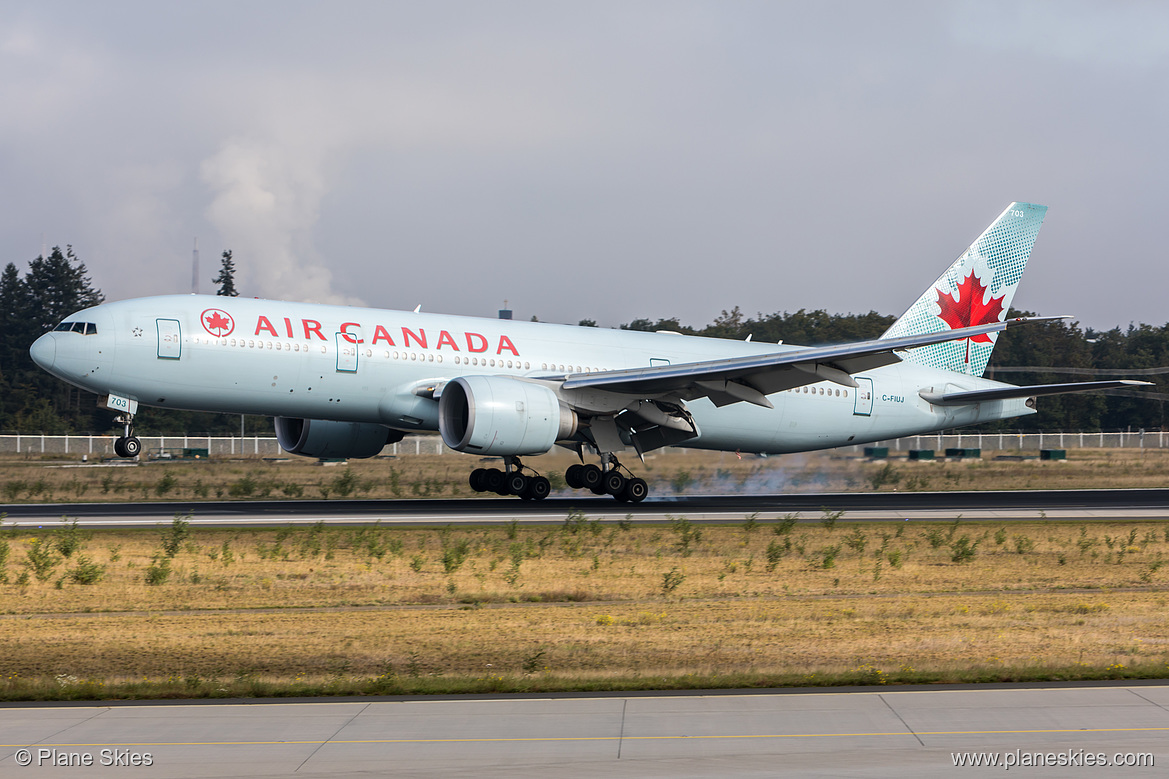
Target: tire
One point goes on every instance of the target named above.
(132, 446)
(476, 479)
(119, 449)
(538, 488)
(493, 480)
(590, 477)
(572, 476)
(636, 490)
(515, 483)
(614, 483)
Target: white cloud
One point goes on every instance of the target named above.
(265, 202)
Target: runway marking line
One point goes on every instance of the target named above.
(534, 739)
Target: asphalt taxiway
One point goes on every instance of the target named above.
(878, 732)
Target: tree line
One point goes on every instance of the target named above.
(32, 401)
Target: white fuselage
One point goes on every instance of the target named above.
(368, 365)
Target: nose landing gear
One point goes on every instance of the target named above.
(128, 444)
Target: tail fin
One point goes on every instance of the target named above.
(976, 289)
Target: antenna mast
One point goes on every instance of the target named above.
(195, 269)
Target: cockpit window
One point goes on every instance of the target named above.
(85, 328)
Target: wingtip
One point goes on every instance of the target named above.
(1022, 320)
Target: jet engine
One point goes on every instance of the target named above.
(502, 416)
(327, 438)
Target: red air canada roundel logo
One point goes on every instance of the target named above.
(217, 322)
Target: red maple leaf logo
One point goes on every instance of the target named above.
(969, 310)
(217, 322)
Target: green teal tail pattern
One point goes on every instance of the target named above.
(976, 289)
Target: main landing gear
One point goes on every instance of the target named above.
(128, 444)
(511, 481)
(607, 480)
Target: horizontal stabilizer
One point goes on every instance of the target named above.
(1006, 393)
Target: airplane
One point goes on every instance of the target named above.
(344, 381)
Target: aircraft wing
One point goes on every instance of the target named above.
(1005, 393)
(754, 377)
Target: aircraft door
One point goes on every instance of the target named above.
(170, 339)
(863, 405)
(346, 354)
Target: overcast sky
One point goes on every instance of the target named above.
(590, 159)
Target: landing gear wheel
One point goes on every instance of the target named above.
(590, 477)
(572, 476)
(493, 480)
(635, 490)
(515, 483)
(537, 489)
(131, 447)
(614, 483)
(477, 478)
(119, 449)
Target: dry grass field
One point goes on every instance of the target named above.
(185, 611)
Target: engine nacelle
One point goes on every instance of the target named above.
(494, 415)
(327, 438)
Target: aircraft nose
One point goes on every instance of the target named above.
(44, 351)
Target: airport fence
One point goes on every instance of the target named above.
(1008, 441)
(175, 446)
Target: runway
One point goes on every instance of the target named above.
(1086, 505)
(878, 732)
